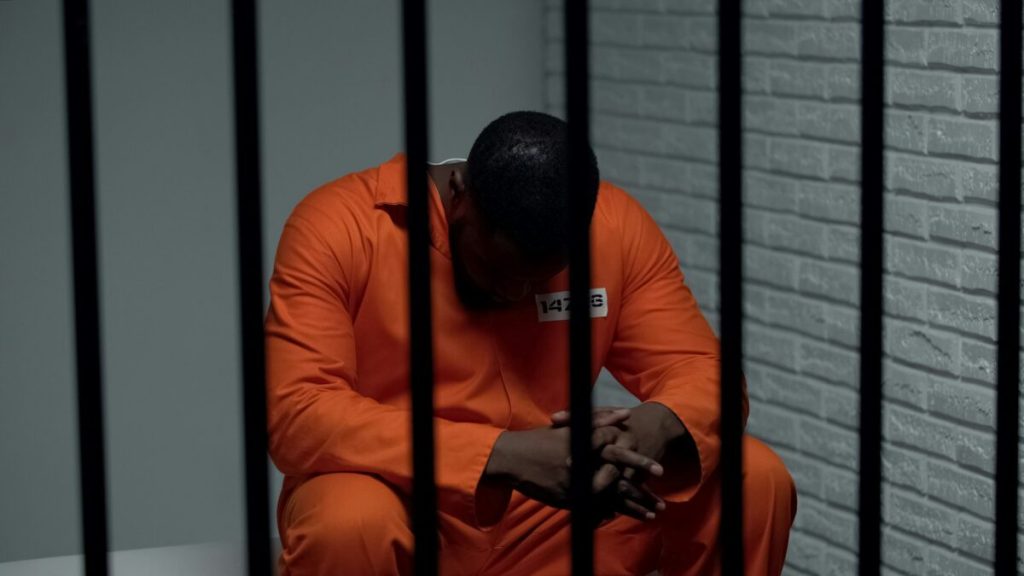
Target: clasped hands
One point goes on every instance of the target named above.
(628, 444)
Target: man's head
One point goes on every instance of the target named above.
(509, 211)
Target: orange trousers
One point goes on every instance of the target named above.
(354, 524)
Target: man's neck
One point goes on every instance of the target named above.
(441, 175)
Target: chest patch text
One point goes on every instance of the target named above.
(555, 306)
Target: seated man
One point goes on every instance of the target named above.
(338, 370)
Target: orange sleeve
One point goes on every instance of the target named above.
(664, 350)
(318, 421)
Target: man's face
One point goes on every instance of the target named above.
(490, 272)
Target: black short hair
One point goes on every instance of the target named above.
(517, 176)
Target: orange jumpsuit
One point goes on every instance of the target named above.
(339, 410)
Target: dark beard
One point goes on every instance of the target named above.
(470, 295)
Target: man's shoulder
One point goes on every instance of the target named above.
(347, 200)
(615, 208)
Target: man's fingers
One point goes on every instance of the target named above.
(604, 435)
(602, 416)
(624, 457)
(637, 477)
(560, 418)
(604, 477)
(640, 494)
(632, 509)
(606, 506)
(612, 435)
(632, 503)
(624, 439)
(610, 416)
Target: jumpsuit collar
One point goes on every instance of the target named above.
(391, 192)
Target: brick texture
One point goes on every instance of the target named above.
(654, 99)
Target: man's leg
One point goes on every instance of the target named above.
(349, 523)
(344, 524)
(534, 540)
(690, 530)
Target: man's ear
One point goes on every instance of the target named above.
(457, 184)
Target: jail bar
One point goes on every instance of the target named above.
(577, 113)
(730, 153)
(250, 283)
(421, 379)
(82, 180)
(730, 143)
(872, 185)
(1008, 318)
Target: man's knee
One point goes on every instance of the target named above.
(354, 506)
(766, 479)
(346, 519)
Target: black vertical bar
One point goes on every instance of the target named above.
(730, 147)
(577, 90)
(424, 501)
(1008, 319)
(91, 448)
(250, 279)
(872, 186)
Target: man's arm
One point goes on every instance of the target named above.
(658, 434)
(536, 463)
(320, 423)
(317, 421)
(666, 354)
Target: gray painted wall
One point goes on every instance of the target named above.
(331, 104)
(38, 483)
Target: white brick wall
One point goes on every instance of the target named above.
(654, 104)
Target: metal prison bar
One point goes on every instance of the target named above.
(872, 181)
(250, 283)
(421, 379)
(577, 112)
(82, 181)
(86, 300)
(730, 179)
(1008, 316)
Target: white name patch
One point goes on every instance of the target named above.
(554, 306)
